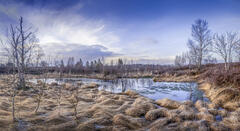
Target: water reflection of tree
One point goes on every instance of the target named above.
(123, 83)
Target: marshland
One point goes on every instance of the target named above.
(119, 65)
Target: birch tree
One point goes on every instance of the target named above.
(200, 42)
(19, 46)
(224, 45)
(180, 60)
(41, 85)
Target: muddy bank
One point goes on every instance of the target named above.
(101, 110)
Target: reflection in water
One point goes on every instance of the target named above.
(156, 90)
(147, 87)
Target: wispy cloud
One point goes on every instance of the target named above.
(59, 29)
(86, 52)
(154, 31)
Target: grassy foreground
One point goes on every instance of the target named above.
(101, 110)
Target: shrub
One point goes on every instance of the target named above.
(220, 77)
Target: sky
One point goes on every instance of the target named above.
(146, 31)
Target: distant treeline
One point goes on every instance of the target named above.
(89, 67)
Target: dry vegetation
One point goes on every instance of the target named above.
(92, 109)
(220, 86)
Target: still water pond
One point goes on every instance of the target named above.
(146, 87)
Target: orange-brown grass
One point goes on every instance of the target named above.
(101, 110)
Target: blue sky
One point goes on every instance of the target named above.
(148, 31)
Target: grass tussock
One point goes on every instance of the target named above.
(186, 115)
(140, 107)
(233, 120)
(200, 104)
(129, 122)
(155, 114)
(168, 103)
(161, 124)
(217, 126)
(205, 116)
(131, 93)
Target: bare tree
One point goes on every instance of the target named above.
(210, 60)
(38, 54)
(12, 92)
(19, 46)
(199, 45)
(10, 89)
(59, 98)
(224, 46)
(180, 60)
(59, 88)
(74, 100)
(70, 64)
(238, 55)
(41, 85)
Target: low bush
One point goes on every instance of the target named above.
(221, 77)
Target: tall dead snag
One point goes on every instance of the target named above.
(27, 43)
(200, 44)
(224, 45)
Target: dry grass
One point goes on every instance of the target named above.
(155, 114)
(168, 103)
(140, 107)
(101, 110)
(218, 126)
(205, 116)
(233, 120)
(91, 85)
(173, 78)
(129, 122)
(131, 93)
(222, 97)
